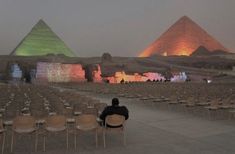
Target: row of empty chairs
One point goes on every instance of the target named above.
(42, 101)
(215, 100)
(58, 123)
(34, 109)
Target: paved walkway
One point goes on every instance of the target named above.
(154, 131)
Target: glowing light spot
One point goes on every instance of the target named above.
(97, 75)
(119, 76)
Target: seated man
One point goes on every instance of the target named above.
(114, 109)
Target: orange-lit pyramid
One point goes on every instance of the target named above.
(183, 38)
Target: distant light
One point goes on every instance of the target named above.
(165, 54)
(184, 53)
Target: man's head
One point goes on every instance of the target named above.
(115, 102)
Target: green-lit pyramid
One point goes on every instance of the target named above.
(41, 40)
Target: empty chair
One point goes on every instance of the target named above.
(2, 132)
(24, 125)
(78, 108)
(55, 124)
(86, 122)
(100, 107)
(116, 123)
(93, 111)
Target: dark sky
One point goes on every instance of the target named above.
(120, 27)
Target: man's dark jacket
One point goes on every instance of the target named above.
(110, 110)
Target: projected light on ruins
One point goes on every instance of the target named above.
(183, 38)
(57, 72)
(136, 77)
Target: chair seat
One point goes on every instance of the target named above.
(40, 121)
(212, 107)
(55, 129)
(52, 113)
(70, 120)
(2, 109)
(87, 127)
(9, 122)
(25, 130)
(77, 112)
(2, 130)
(115, 128)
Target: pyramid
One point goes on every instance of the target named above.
(184, 37)
(201, 51)
(41, 40)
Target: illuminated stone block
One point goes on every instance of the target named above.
(57, 72)
(119, 76)
(97, 75)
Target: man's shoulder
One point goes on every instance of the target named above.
(107, 108)
(124, 108)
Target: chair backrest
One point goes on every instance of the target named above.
(80, 106)
(56, 121)
(86, 122)
(93, 111)
(1, 125)
(24, 122)
(100, 106)
(114, 120)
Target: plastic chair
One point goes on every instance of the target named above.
(114, 122)
(24, 125)
(55, 124)
(86, 122)
(2, 132)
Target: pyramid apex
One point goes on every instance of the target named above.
(185, 18)
(41, 21)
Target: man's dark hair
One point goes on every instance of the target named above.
(115, 102)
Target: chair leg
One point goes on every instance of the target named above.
(44, 142)
(75, 139)
(104, 137)
(124, 138)
(3, 142)
(67, 138)
(12, 141)
(96, 138)
(36, 140)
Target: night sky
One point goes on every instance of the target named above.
(120, 27)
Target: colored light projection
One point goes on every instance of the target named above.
(16, 72)
(97, 75)
(182, 38)
(119, 76)
(57, 72)
(41, 40)
(179, 77)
